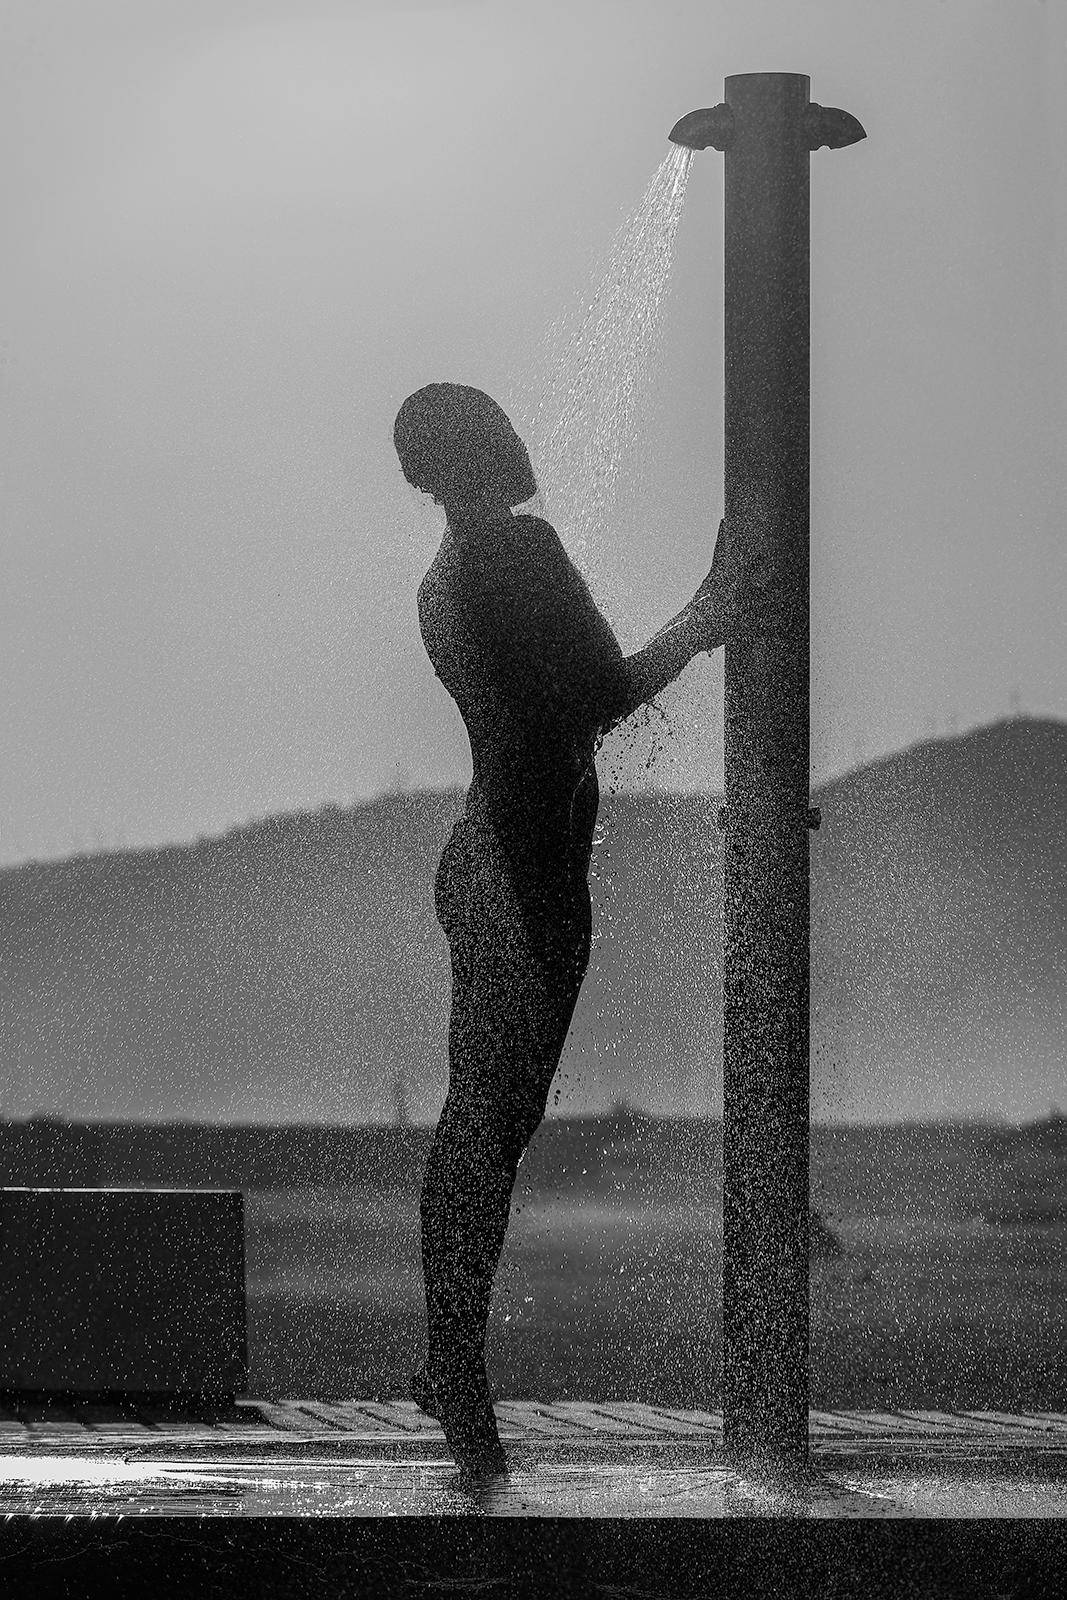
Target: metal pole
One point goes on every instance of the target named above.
(767, 128)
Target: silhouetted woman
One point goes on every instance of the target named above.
(538, 675)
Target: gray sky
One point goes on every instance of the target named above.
(238, 234)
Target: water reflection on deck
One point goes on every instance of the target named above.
(609, 1459)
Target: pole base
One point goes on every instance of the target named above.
(779, 1467)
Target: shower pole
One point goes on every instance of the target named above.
(767, 128)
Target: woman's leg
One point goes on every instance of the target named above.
(506, 1034)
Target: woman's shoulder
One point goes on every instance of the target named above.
(535, 536)
(534, 527)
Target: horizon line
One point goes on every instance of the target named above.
(620, 1113)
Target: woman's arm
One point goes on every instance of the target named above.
(550, 651)
(702, 625)
(545, 645)
(648, 672)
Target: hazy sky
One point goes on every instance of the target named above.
(240, 232)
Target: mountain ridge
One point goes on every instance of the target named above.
(291, 968)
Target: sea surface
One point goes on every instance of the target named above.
(949, 1288)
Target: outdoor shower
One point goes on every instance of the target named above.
(766, 129)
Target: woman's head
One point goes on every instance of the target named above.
(456, 443)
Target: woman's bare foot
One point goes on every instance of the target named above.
(474, 1444)
(465, 1410)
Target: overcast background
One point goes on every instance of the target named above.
(238, 234)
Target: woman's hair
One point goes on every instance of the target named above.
(457, 444)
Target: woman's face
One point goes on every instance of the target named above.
(459, 447)
(510, 482)
(526, 486)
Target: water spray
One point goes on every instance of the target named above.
(585, 424)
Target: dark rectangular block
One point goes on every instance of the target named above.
(122, 1291)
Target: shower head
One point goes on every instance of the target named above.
(699, 129)
(714, 126)
(827, 125)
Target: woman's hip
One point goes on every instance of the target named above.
(508, 907)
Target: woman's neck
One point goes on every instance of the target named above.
(465, 517)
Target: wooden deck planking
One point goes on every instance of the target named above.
(281, 1416)
(313, 1458)
(356, 1418)
(632, 1420)
(844, 1425)
(949, 1422)
(1013, 1422)
(403, 1416)
(527, 1418)
(308, 1422)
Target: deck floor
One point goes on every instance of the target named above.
(592, 1459)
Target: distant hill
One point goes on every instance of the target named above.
(939, 899)
(291, 970)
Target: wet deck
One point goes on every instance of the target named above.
(307, 1458)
